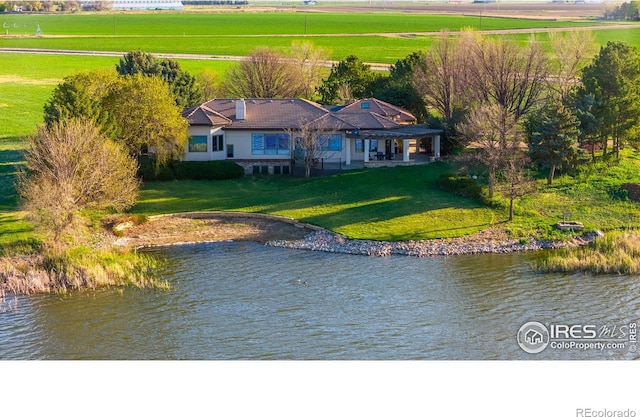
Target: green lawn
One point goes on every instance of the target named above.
(399, 203)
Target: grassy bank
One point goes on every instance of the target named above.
(615, 253)
(79, 268)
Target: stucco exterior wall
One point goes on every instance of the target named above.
(209, 155)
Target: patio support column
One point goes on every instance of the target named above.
(405, 150)
(348, 156)
(366, 150)
(435, 146)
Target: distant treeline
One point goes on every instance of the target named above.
(624, 11)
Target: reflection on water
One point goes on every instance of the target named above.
(246, 301)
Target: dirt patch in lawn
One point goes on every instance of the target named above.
(204, 227)
(633, 190)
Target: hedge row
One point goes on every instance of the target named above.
(189, 170)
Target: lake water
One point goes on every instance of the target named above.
(239, 300)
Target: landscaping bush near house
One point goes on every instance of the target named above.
(147, 170)
(461, 185)
(189, 170)
(207, 170)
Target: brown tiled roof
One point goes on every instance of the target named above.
(373, 105)
(202, 115)
(268, 113)
(368, 120)
(292, 113)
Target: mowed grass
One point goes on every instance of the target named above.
(402, 203)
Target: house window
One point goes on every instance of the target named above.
(331, 143)
(281, 169)
(229, 151)
(217, 143)
(198, 144)
(359, 145)
(270, 144)
(373, 145)
(365, 105)
(260, 169)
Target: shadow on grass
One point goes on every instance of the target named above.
(9, 163)
(380, 203)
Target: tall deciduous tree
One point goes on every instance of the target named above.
(137, 110)
(71, 166)
(210, 83)
(614, 80)
(146, 118)
(552, 135)
(572, 51)
(309, 61)
(505, 73)
(485, 129)
(264, 73)
(442, 77)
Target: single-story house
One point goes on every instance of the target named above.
(257, 133)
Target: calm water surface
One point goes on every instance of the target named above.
(246, 301)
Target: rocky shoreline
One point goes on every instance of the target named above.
(277, 231)
(492, 240)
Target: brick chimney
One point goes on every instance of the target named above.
(241, 109)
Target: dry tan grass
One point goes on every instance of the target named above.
(16, 79)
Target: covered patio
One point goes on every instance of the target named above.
(406, 145)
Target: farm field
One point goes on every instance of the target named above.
(251, 24)
(374, 37)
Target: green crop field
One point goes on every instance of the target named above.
(234, 24)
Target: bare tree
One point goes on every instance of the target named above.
(505, 73)
(210, 84)
(70, 167)
(443, 76)
(572, 51)
(265, 73)
(309, 61)
(311, 142)
(516, 179)
(486, 128)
